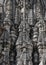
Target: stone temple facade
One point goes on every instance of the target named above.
(23, 32)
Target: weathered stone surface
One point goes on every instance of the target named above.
(23, 35)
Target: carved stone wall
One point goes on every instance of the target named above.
(23, 33)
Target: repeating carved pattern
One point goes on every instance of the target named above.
(23, 32)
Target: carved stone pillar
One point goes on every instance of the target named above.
(24, 45)
(39, 36)
(7, 24)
